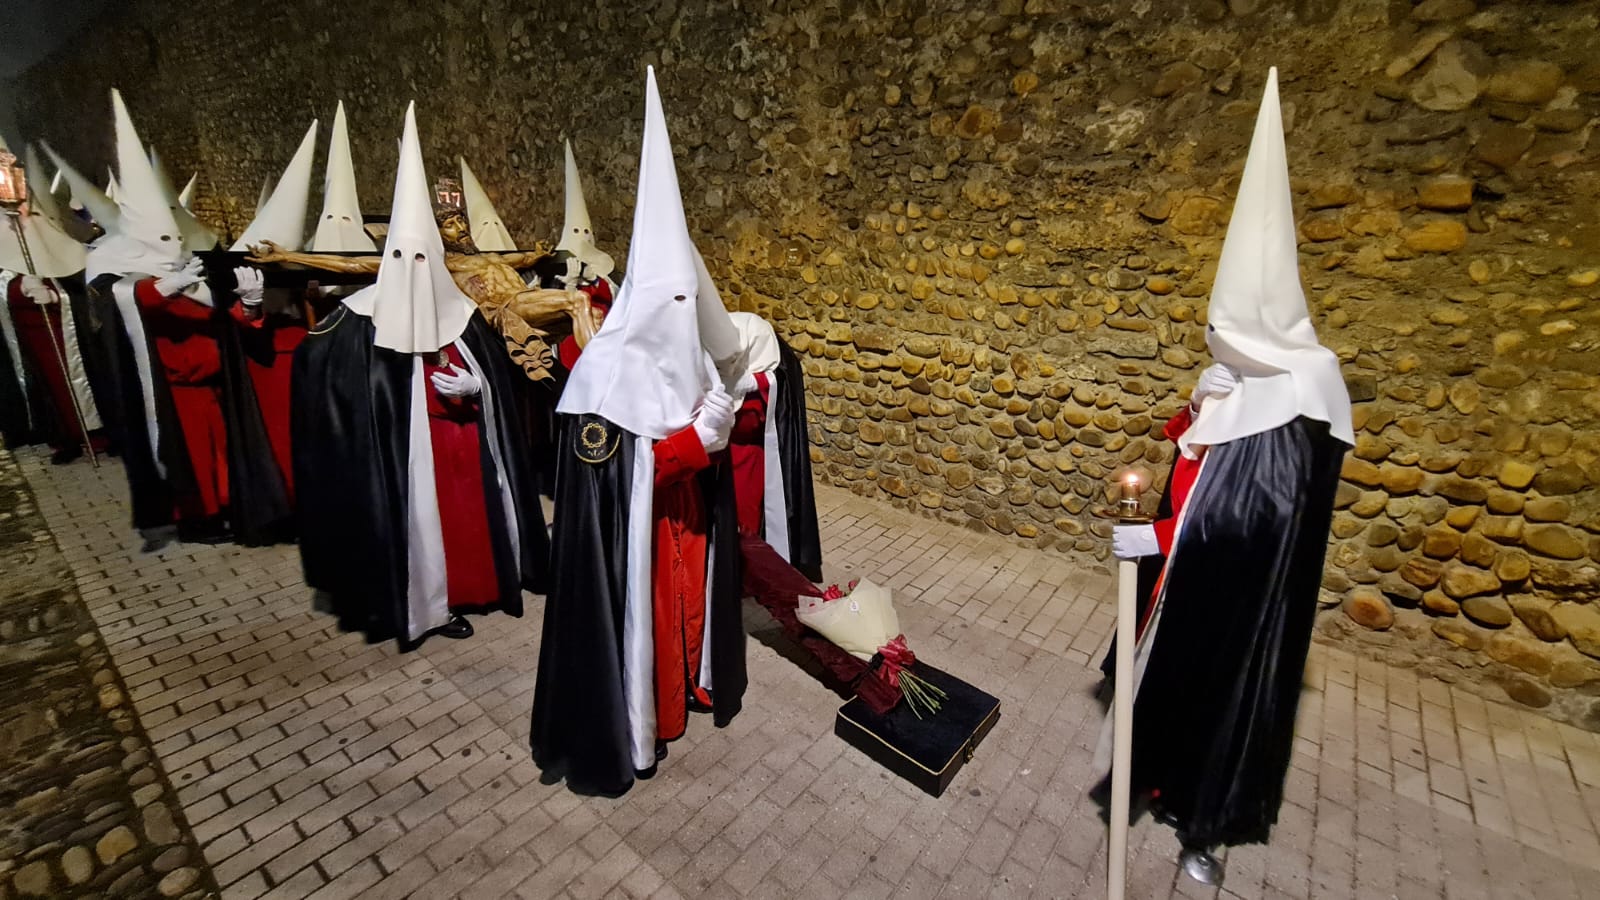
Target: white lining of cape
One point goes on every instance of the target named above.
(77, 378)
(774, 501)
(128, 306)
(427, 585)
(638, 623)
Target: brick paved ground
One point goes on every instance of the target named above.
(312, 764)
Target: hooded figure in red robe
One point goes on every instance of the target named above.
(415, 502)
(642, 623)
(192, 441)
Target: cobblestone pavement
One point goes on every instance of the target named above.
(312, 764)
(85, 808)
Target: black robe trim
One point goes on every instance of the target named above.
(794, 455)
(1214, 716)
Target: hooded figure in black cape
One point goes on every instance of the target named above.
(1219, 662)
(414, 499)
(141, 270)
(771, 446)
(643, 621)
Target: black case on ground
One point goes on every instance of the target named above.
(929, 751)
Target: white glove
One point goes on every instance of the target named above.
(1218, 380)
(746, 385)
(574, 274)
(252, 285)
(459, 383)
(34, 288)
(1134, 541)
(714, 420)
(191, 274)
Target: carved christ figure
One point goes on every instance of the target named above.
(522, 315)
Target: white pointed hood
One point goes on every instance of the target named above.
(339, 226)
(1258, 320)
(415, 306)
(759, 343)
(196, 236)
(646, 369)
(145, 215)
(718, 335)
(282, 219)
(54, 254)
(186, 196)
(40, 198)
(577, 234)
(488, 231)
(101, 208)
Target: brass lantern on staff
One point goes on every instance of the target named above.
(13, 183)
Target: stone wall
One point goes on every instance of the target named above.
(990, 229)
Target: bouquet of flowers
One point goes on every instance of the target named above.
(862, 621)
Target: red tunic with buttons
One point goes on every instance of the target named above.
(270, 344)
(747, 447)
(679, 580)
(459, 483)
(184, 332)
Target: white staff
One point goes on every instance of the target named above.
(1128, 513)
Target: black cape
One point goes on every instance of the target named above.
(350, 414)
(258, 500)
(1214, 716)
(794, 455)
(580, 729)
(153, 496)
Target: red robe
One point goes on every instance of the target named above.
(747, 445)
(459, 484)
(679, 580)
(1184, 473)
(185, 332)
(31, 320)
(271, 341)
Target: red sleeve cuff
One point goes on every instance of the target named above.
(679, 456)
(1178, 424)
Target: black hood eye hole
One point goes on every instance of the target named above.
(680, 298)
(397, 253)
(420, 258)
